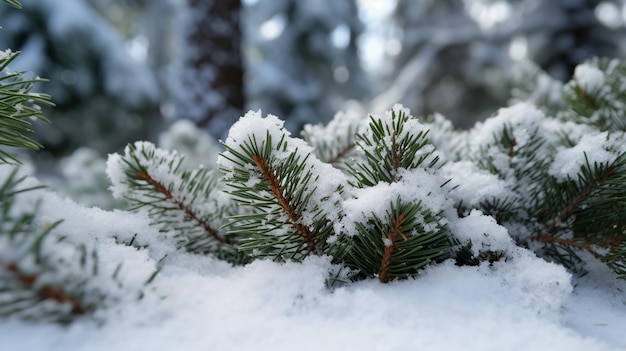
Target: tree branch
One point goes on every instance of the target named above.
(47, 292)
(284, 201)
(396, 228)
(395, 156)
(341, 154)
(574, 203)
(188, 211)
(569, 209)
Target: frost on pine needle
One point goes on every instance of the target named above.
(187, 203)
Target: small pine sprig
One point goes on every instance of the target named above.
(18, 106)
(335, 142)
(519, 152)
(596, 95)
(189, 203)
(289, 196)
(585, 211)
(390, 145)
(406, 231)
(42, 277)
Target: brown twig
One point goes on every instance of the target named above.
(569, 209)
(341, 154)
(395, 156)
(284, 201)
(551, 239)
(396, 228)
(583, 94)
(565, 213)
(188, 211)
(512, 152)
(47, 292)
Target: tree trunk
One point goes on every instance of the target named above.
(212, 91)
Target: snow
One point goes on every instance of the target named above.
(568, 161)
(268, 305)
(477, 186)
(589, 77)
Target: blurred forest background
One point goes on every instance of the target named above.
(125, 70)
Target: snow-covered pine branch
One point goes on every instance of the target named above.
(393, 224)
(291, 198)
(335, 142)
(46, 271)
(596, 95)
(188, 203)
(554, 181)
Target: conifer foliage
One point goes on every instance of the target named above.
(42, 276)
(564, 176)
(381, 200)
(18, 105)
(185, 202)
(290, 197)
(407, 231)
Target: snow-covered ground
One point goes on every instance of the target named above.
(203, 304)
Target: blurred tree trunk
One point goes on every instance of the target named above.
(212, 91)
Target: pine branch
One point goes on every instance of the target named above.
(189, 212)
(392, 143)
(342, 154)
(47, 291)
(289, 196)
(42, 277)
(396, 228)
(335, 143)
(284, 202)
(396, 154)
(18, 106)
(596, 95)
(376, 249)
(583, 194)
(188, 203)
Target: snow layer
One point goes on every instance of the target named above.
(568, 161)
(267, 305)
